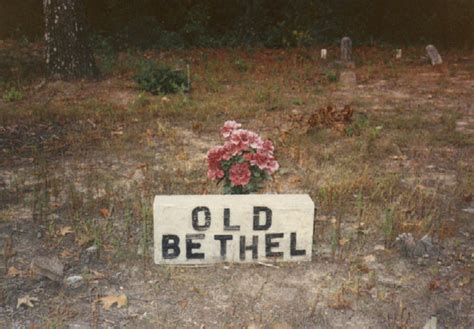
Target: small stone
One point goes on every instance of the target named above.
(432, 323)
(91, 254)
(39, 235)
(434, 55)
(92, 249)
(74, 281)
(379, 247)
(369, 259)
(48, 267)
(79, 325)
(469, 210)
(406, 243)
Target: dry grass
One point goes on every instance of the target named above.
(70, 150)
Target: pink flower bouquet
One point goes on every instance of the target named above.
(243, 162)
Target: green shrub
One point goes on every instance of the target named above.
(161, 80)
(331, 75)
(12, 95)
(241, 65)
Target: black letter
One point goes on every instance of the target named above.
(227, 226)
(190, 246)
(166, 246)
(252, 247)
(293, 250)
(269, 245)
(256, 218)
(207, 218)
(223, 239)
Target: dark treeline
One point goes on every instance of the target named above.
(272, 23)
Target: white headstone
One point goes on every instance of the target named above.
(434, 55)
(198, 229)
(398, 54)
(324, 53)
(346, 49)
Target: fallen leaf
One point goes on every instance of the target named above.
(83, 240)
(65, 230)
(8, 248)
(343, 242)
(109, 301)
(12, 272)
(97, 275)
(183, 303)
(27, 300)
(104, 212)
(369, 258)
(434, 284)
(464, 281)
(66, 254)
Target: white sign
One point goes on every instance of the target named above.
(197, 229)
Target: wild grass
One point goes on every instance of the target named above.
(92, 153)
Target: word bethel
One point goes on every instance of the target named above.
(199, 229)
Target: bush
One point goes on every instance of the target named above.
(12, 95)
(161, 80)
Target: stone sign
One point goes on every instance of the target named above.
(199, 229)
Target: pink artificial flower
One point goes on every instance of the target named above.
(255, 141)
(272, 166)
(240, 174)
(214, 157)
(263, 160)
(230, 150)
(257, 159)
(229, 127)
(215, 173)
(267, 147)
(242, 138)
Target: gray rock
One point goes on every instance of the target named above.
(79, 325)
(469, 210)
(432, 323)
(346, 49)
(92, 249)
(74, 281)
(91, 254)
(434, 55)
(411, 248)
(406, 244)
(48, 267)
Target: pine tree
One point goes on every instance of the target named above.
(68, 55)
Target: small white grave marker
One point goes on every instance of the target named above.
(324, 53)
(199, 229)
(398, 54)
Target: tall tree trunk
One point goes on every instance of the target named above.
(68, 55)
